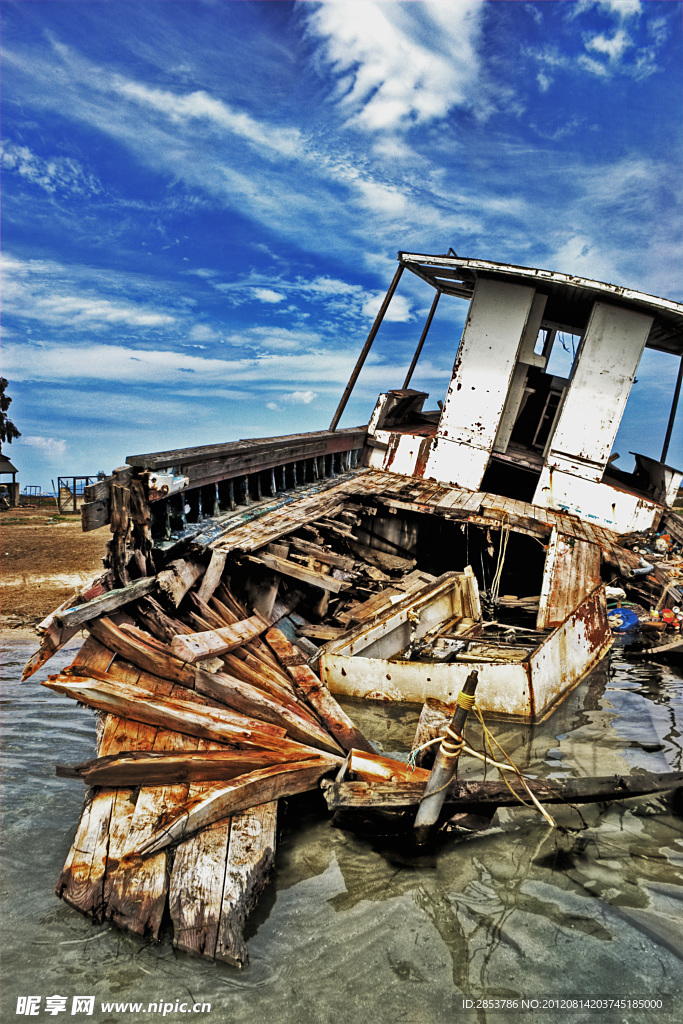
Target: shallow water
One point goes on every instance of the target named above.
(354, 932)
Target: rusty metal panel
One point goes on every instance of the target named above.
(572, 571)
(570, 651)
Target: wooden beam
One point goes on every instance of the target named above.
(167, 768)
(250, 860)
(298, 572)
(178, 715)
(178, 577)
(334, 718)
(368, 796)
(103, 604)
(212, 576)
(260, 786)
(194, 647)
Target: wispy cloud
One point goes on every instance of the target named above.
(52, 174)
(46, 292)
(53, 447)
(400, 64)
(628, 46)
(200, 106)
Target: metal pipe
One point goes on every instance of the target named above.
(366, 348)
(444, 765)
(672, 417)
(421, 342)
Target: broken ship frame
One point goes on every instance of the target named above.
(416, 550)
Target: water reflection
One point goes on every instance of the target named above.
(352, 931)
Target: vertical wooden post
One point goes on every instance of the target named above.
(366, 348)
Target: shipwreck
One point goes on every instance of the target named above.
(458, 556)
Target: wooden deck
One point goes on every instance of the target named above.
(251, 528)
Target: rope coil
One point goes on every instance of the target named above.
(452, 745)
(465, 700)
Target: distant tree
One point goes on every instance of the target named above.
(7, 429)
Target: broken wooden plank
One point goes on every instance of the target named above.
(195, 894)
(320, 632)
(178, 577)
(251, 856)
(178, 715)
(212, 576)
(162, 768)
(319, 697)
(250, 790)
(152, 656)
(298, 572)
(472, 795)
(103, 824)
(94, 515)
(300, 727)
(136, 889)
(194, 647)
(373, 767)
(321, 554)
(53, 634)
(75, 617)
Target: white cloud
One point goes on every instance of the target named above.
(202, 332)
(199, 106)
(621, 8)
(399, 310)
(300, 397)
(267, 295)
(398, 64)
(53, 447)
(612, 47)
(57, 295)
(322, 369)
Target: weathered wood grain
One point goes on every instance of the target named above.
(178, 577)
(260, 786)
(250, 860)
(212, 576)
(104, 603)
(194, 647)
(334, 718)
(161, 768)
(181, 715)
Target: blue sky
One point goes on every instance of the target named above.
(202, 202)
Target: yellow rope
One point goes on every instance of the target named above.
(465, 700)
(490, 739)
(452, 745)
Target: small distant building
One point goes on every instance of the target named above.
(9, 490)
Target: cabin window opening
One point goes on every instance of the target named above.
(562, 353)
(511, 480)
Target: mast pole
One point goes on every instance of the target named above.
(366, 348)
(421, 342)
